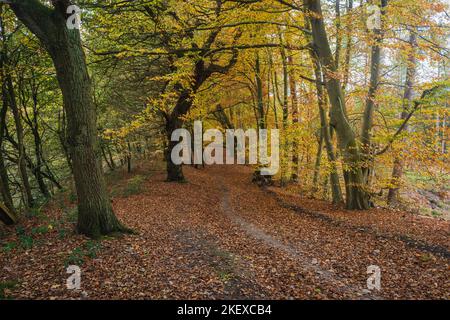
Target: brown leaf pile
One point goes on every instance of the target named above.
(221, 237)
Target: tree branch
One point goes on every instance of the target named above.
(417, 104)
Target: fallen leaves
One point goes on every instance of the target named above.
(197, 241)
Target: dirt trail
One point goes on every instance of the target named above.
(329, 277)
(219, 236)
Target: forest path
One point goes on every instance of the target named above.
(221, 236)
(327, 277)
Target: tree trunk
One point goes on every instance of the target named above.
(129, 152)
(357, 196)
(111, 158)
(259, 94)
(336, 191)
(38, 148)
(337, 54)
(106, 158)
(95, 214)
(295, 118)
(318, 162)
(261, 118)
(367, 122)
(174, 171)
(62, 135)
(348, 48)
(397, 171)
(184, 104)
(65, 149)
(32, 122)
(285, 145)
(5, 190)
(26, 187)
(31, 166)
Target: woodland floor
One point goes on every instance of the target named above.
(219, 236)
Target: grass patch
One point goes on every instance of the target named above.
(62, 233)
(426, 257)
(73, 197)
(78, 256)
(71, 215)
(223, 265)
(436, 213)
(10, 246)
(26, 240)
(33, 213)
(225, 276)
(40, 230)
(132, 187)
(7, 285)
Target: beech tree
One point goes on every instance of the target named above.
(356, 196)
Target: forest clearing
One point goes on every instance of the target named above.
(224, 150)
